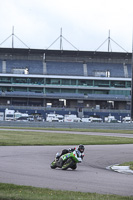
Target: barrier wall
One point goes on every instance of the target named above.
(80, 125)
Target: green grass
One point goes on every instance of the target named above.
(14, 192)
(130, 164)
(9, 138)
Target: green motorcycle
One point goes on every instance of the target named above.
(68, 160)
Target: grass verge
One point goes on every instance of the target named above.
(130, 164)
(18, 138)
(14, 192)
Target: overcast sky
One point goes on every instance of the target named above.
(85, 24)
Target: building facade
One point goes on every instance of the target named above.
(54, 78)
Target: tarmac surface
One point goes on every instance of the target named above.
(30, 165)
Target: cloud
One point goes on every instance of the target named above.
(84, 23)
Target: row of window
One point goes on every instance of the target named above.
(63, 90)
(69, 82)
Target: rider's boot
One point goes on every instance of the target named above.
(60, 162)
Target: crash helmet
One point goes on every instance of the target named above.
(81, 148)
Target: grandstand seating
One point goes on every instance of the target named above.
(116, 70)
(0, 66)
(65, 68)
(34, 66)
(129, 71)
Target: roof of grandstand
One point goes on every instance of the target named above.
(91, 54)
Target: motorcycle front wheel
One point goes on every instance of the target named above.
(53, 165)
(74, 167)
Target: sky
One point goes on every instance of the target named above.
(85, 25)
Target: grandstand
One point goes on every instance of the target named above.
(99, 81)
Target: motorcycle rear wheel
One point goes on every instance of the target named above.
(68, 164)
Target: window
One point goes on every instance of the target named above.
(20, 80)
(65, 82)
(52, 90)
(101, 83)
(73, 82)
(85, 82)
(117, 84)
(55, 81)
(128, 84)
(37, 90)
(5, 80)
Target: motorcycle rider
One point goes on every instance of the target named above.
(79, 151)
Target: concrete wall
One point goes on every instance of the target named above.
(80, 125)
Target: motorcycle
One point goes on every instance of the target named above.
(69, 160)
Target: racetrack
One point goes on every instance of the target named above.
(30, 165)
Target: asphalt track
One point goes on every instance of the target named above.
(30, 165)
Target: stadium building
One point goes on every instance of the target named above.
(84, 82)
